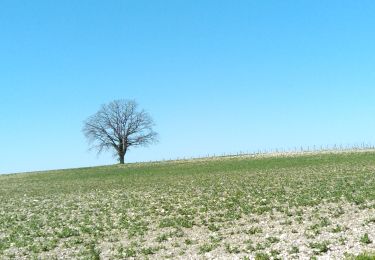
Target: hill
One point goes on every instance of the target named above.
(280, 207)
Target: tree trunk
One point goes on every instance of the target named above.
(122, 158)
(121, 153)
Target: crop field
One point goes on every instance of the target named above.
(304, 206)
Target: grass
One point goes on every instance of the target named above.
(320, 247)
(363, 256)
(144, 209)
(365, 239)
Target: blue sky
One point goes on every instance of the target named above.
(217, 76)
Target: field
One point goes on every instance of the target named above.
(302, 206)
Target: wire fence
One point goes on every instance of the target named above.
(335, 148)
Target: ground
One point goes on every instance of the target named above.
(274, 207)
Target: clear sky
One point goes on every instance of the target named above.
(217, 76)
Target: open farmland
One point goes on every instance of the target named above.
(303, 206)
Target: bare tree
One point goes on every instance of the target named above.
(118, 126)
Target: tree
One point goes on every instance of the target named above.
(118, 126)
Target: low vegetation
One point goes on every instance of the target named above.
(305, 206)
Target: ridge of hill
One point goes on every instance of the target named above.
(276, 205)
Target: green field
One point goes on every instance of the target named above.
(320, 205)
